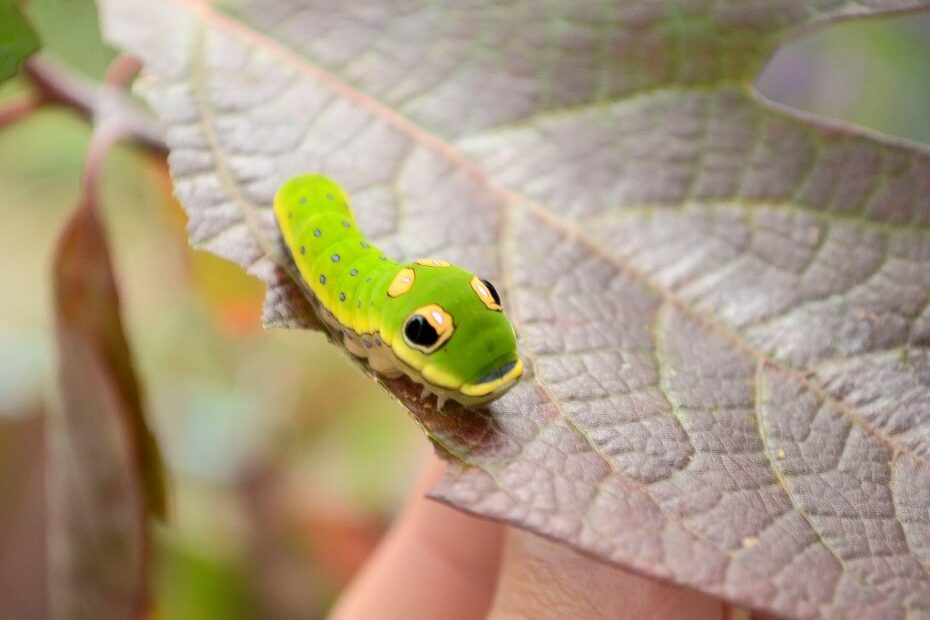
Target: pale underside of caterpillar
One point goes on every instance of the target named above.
(440, 325)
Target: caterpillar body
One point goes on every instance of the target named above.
(441, 325)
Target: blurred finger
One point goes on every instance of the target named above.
(540, 579)
(435, 562)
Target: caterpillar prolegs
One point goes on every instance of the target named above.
(441, 325)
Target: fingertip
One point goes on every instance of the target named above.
(434, 562)
(542, 579)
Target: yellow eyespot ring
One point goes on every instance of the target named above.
(428, 328)
(402, 282)
(486, 294)
(432, 262)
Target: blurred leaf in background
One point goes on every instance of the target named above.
(871, 73)
(105, 473)
(17, 39)
(285, 462)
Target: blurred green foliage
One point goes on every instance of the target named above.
(70, 30)
(872, 73)
(195, 587)
(283, 458)
(17, 39)
(225, 397)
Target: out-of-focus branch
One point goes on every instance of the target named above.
(19, 109)
(99, 103)
(59, 85)
(116, 117)
(103, 139)
(122, 70)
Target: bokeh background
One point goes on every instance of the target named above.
(285, 463)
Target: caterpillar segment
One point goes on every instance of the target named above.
(437, 323)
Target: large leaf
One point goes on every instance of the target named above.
(724, 305)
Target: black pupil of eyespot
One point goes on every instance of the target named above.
(418, 331)
(494, 294)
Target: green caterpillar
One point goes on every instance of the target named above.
(436, 323)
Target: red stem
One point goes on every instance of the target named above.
(19, 109)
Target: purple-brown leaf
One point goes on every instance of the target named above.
(724, 305)
(104, 471)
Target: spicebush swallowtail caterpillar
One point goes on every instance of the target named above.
(441, 325)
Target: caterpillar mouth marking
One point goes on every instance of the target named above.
(497, 373)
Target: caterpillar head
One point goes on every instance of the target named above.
(448, 326)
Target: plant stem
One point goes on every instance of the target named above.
(56, 84)
(19, 109)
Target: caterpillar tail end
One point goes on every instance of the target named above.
(306, 189)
